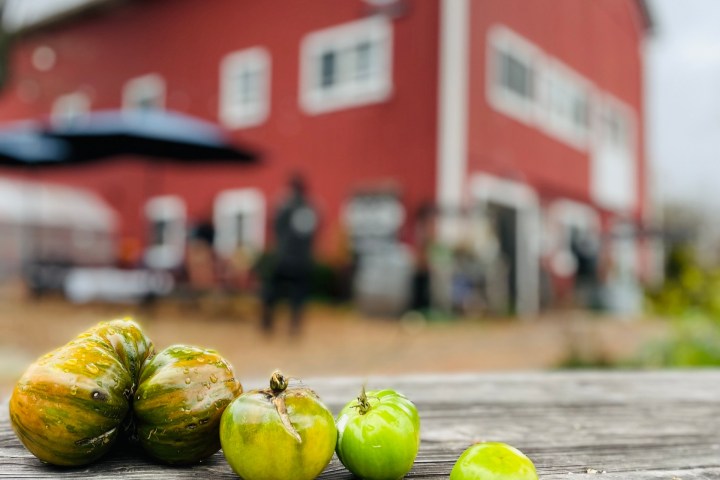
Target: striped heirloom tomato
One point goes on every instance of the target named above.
(378, 435)
(281, 433)
(493, 461)
(70, 405)
(182, 395)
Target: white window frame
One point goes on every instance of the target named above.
(623, 156)
(170, 208)
(562, 124)
(539, 111)
(233, 112)
(136, 88)
(501, 39)
(348, 92)
(228, 205)
(70, 107)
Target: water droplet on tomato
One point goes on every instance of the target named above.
(200, 396)
(73, 390)
(201, 359)
(92, 368)
(187, 380)
(71, 361)
(213, 378)
(186, 370)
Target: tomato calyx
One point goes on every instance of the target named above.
(363, 404)
(276, 395)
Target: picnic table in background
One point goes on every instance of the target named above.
(573, 425)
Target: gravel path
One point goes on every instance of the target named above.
(334, 341)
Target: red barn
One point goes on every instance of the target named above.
(525, 113)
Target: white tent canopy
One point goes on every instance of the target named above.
(20, 14)
(41, 204)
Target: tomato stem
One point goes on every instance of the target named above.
(278, 382)
(363, 404)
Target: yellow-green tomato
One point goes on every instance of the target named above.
(282, 433)
(493, 461)
(378, 435)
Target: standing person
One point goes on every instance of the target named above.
(289, 269)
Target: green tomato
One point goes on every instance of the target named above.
(378, 435)
(279, 433)
(493, 461)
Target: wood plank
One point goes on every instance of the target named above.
(632, 425)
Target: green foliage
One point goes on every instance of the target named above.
(690, 301)
(688, 287)
(694, 342)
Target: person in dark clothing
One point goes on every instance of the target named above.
(289, 268)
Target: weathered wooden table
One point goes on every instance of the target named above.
(659, 425)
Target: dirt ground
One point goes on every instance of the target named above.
(334, 341)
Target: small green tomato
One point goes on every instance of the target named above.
(493, 461)
(378, 435)
(279, 433)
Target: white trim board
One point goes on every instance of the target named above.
(453, 109)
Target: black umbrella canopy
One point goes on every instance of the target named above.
(156, 133)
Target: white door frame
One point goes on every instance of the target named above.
(485, 188)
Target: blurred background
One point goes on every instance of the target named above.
(364, 186)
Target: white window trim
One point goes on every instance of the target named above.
(606, 101)
(230, 203)
(626, 154)
(537, 113)
(501, 38)
(170, 208)
(314, 100)
(136, 86)
(232, 114)
(560, 127)
(77, 103)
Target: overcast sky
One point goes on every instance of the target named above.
(683, 99)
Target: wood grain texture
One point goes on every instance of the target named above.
(654, 425)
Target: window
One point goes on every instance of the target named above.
(346, 66)
(614, 128)
(167, 220)
(614, 166)
(239, 220)
(512, 73)
(245, 88)
(528, 85)
(68, 108)
(144, 93)
(566, 99)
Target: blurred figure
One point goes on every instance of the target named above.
(288, 272)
